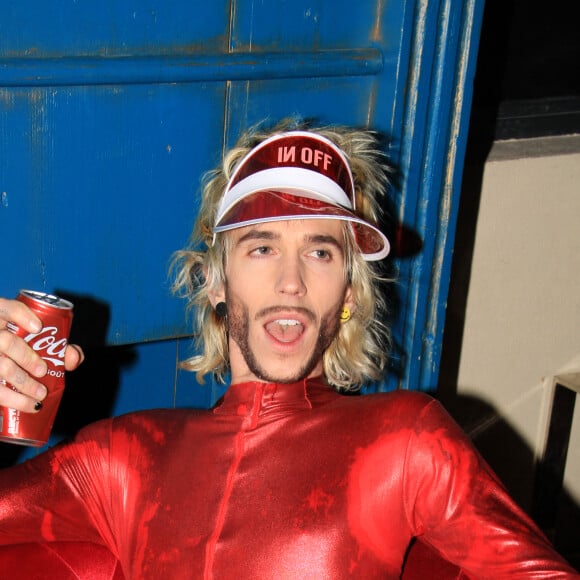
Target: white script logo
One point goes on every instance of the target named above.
(45, 341)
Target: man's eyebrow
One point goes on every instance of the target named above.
(257, 235)
(324, 239)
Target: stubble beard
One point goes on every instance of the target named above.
(239, 330)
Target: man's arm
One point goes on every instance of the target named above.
(457, 505)
(62, 494)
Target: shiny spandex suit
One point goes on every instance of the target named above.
(277, 481)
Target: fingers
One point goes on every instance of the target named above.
(73, 357)
(19, 364)
(21, 367)
(18, 313)
(24, 369)
(15, 400)
(29, 391)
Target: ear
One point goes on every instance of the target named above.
(217, 295)
(349, 300)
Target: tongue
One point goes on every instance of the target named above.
(284, 332)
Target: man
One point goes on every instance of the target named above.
(285, 477)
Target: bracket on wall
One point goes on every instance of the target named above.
(550, 474)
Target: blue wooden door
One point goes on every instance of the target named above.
(111, 111)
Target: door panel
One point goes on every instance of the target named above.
(110, 112)
(101, 191)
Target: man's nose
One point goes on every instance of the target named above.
(291, 276)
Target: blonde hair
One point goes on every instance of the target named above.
(357, 354)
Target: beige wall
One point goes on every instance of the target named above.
(522, 310)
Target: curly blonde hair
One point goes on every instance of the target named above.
(358, 353)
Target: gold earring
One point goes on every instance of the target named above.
(345, 314)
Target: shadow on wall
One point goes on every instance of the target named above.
(499, 443)
(91, 390)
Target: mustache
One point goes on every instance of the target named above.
(308, 314)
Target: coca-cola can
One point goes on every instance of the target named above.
(50, 343)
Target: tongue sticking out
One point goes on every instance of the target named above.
(285, 330)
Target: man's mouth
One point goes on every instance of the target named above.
(285, 329)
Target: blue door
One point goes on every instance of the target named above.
(111, 111)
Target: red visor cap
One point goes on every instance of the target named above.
(296, 175)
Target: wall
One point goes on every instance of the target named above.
(521, 295)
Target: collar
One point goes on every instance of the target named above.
(255, 398)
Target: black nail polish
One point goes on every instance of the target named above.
(37, 406)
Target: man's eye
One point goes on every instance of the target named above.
(261, 250)
(322, 254)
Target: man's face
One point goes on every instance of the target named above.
(285, 289)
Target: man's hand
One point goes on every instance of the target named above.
(19, 364)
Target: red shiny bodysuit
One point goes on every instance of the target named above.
(278, 481)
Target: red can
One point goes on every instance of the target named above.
(50, 343)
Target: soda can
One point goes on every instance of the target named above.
(50, 343)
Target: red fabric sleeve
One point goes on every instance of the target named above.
(63, 494)
(456, 504)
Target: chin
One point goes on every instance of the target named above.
(285, 375)
(276, 377)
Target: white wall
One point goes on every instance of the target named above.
(522, 315)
